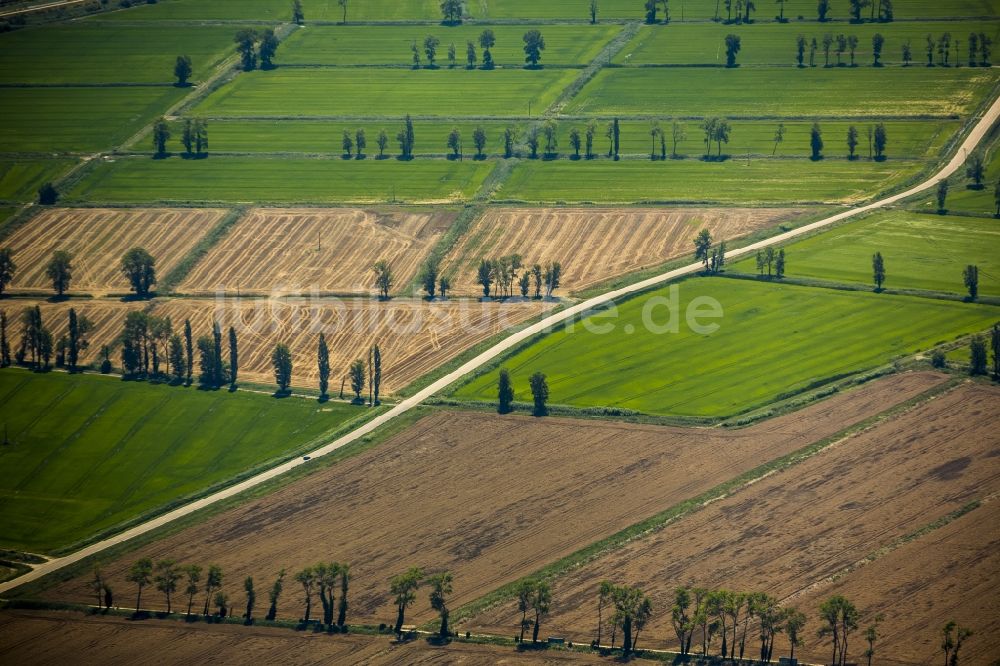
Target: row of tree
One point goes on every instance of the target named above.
(137, 265)
(194, 137)
(978, 354)
(534, 44)
(980, 49)
(498, 277)
(878, 138)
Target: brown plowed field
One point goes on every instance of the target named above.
(58, 638)
(97, 239)
(107, 316)
(414, 336)
(595, 244)
(807, 523)
(316, 250)
(490, 498)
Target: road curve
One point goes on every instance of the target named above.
(958, 159)
(38, 8)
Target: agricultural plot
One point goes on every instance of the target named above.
(963, 199)
(485, 524)
(773, 334)
(863, 92)
(98, 238)
(316, 250)
(85, 52)
(415, 336)
(921, 252)
(812, 521)
(391, 45)
(106, 316)
(291, 180)
(21, 178)
(594, 245)
(57, 120)
(74, 470)
(57, 638)
(732, 181)
(775, 44)
(392, 93)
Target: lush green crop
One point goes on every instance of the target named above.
(21, 178)
(391, 45)
(386, 93)
(90, 452)
(785, 92)
(91, 53)
(772, 339)
(241, 179)
(920, 251)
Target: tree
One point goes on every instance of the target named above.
(218, 376)
(551, 276)
(7, 268)
(182, 69)
(800, 50)
(484, 276)
(161, 134)
(193, 573)
(281, 359)
(60, 271)
(795, 620)
(702, 246)
(221, 603)
(470, 55)
(343, 6)
(681, 619)
(541, 599)
(871, 635)
(841, 48)
(534, 44)
(139, 268)
(604, 596)
(994, 344)
(47, 194)
(779, 265)
(880, 141)
(840, 617)
(415, 50)
(479, 141)
(856, 7)
(360, 142)
(189, 349)
(539, 393)
(383, 278)
(345, 576)
(452, 56)
(532, 141)
(323, 363)
(187, 136)
(942, 194)
(779, 136)
(298, 16)
(878, 41)
(593, 12)
(213, 581)
(251, 599)
(383, 143)
(505, 391)
(525, 589)
(885, 11)
(677, 134)
(430, 49)
(274, 595)
(816, 142)
(632, 610)
(140, 573)
(440, 585)
(878, 270)
(201, 136)
(551, 141)
(509, 138)
(984, 49)
(36, 340)
(347, 144)
(575, 142)
(451, 10)
(970, 275)
(307, 579)
(975, 171)
(615, 137)
(822, 9)
(79, 328)
(977, 356)
(852, 46)
(708, 126)
(455, 142)
(206, 362)
(357, 376)
(406, 138)
(444, 284)
(907, 53)
(651, 7)
(404, 587)
(952, 638)
(732, 48)
(852, 141)
(827, 43)
(246, 42)
(4, 344)
(167, 575)
(175, 357)
(487, 40)
(234, 358)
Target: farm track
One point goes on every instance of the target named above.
(971, 141)
(789, 530)
(467, 512)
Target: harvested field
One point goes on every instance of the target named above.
(595, 244)
(316, 250)
(41, 638)
(97, 239)
(950, 573)
(107, 316)
(414, 336)
(800, 526)
(490, 498)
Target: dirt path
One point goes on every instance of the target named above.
(971, 141)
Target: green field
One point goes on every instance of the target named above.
(692, 180)
(961, 199)
(292, 180)
(287, 93)
(21, 178)
(921, 252)
(785, 92)
(90, 53)
(78, 119)
(391, 45)
(775, 44)
(773, 339)
(91, 452)
(909, 139)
